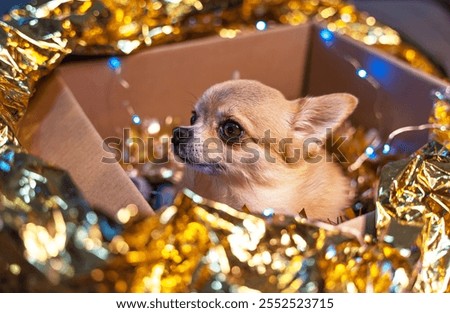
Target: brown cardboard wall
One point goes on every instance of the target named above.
(403, 96)
(167, 80)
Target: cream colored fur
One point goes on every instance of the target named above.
(287, 187)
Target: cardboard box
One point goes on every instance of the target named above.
(79, 104)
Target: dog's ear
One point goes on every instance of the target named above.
(317, 114)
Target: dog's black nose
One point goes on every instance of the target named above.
(181, 135)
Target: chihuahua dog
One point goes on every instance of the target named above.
(249, 145)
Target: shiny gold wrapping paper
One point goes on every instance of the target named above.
(33, 41)
(441, 116)
(416, 192)
(52, 225)
(116, 26)
(55, 239)
(28, 52)
(7, 136)
(197, 245)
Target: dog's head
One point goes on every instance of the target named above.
(243, 126)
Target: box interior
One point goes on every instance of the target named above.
(167, 80)
(403, 95)
(81, 102)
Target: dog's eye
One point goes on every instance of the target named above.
(231, 131)
(193, 117)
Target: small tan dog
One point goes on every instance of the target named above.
(248, 145)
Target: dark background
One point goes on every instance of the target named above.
(424, 23)
(6, 4)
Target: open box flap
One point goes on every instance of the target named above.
(56, 129)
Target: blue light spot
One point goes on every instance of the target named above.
(5, 167)
(327, 36)
(92, 218)
(114, 63)
(331, 252)
(268, 212)
(370, 152)
(136, 119)
(8, 156)
(109, 230)
(386, 148)
(386, 267)
(361, 73)
(165, 194)
(261, 25)
(381, 70)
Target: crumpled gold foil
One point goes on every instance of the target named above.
(7, 136)
(33, 41)
(48, 223)
(416, 192)
(115, 26)
(28, 53)
(197, 245)
(48, 233)
(441, 116)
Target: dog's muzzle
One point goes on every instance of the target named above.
(180, 138)
(181, 135)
